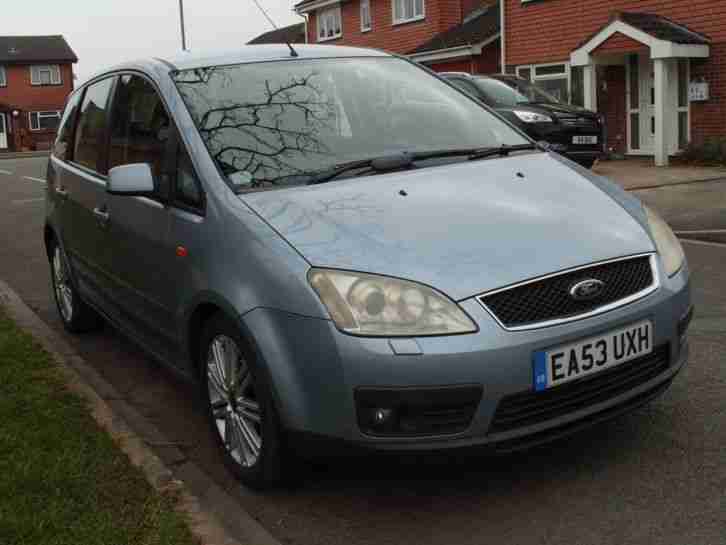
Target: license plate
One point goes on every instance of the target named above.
(568, 362)
(581, 139)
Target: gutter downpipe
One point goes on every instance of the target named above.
(502, 35)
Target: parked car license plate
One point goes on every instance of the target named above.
(584, 139)
(569, 362)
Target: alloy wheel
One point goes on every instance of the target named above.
(233, 401)
(63, 289)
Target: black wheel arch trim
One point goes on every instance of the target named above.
(228, 310)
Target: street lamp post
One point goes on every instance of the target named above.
(181, 18)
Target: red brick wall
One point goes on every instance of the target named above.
(459, 65)
(548, 30)
(440, 15)
(489, 62)
(708, 119)
(619, 43)
(486, 63)
(20, 95)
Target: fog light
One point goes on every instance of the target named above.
(381, 416)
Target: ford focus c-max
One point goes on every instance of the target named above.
(341, 246)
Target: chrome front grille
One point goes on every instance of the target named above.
(547, 301)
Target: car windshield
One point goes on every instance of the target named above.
(513, 91)
(271, 124)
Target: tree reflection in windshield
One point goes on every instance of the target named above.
(261, 141)
(271, 124)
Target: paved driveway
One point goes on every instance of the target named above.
(654, 477)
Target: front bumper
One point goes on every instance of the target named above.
(317, 371)
(561, 141)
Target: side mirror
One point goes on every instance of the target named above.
(135, 179)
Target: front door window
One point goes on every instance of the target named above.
(647, 103)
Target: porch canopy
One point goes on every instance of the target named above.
(666, 42)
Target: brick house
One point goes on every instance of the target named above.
(36, 76)
(294, 34)
(446, 35)
(645, 64)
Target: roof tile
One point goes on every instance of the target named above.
(475, 30)
(25, 49)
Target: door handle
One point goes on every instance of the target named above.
(102, 216)
(61, 192)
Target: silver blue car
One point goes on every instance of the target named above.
(343, 249)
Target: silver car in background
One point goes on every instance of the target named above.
(342, 248)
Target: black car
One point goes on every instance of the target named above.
(570, 130)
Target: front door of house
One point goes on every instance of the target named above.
(641, 104)
(3, 132)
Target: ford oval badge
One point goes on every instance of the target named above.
(587, 289)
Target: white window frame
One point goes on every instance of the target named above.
(321, 23)
(562, 75)
(53, 70)
(365, 8)
(3, 77)
(403, 20)
(39, 115)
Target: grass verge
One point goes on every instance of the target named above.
(62, 479)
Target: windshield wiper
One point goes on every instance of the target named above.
(502, 151)
(383, 163)
(402, 160)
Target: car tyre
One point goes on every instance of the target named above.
(76, 315)
(239, 405)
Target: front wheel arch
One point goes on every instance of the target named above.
(206, 308)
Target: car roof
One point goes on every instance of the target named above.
(250, 53)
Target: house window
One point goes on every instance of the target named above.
(365, 15)
(553, 78)
(45, 74)
(3, 77)
(40, 121)
(407, 10)
(329, 24)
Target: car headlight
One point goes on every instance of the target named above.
(669, 247)
(372, 305)
(532, 117)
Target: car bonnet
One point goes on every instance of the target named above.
(463, 228)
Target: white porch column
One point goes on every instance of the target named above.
(590, 86)
(661, 93)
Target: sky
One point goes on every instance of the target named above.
(106, 32)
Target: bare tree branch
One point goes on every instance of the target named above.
(268, 137)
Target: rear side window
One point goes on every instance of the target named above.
(140, 125)
(64, 140)
(92, 124)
